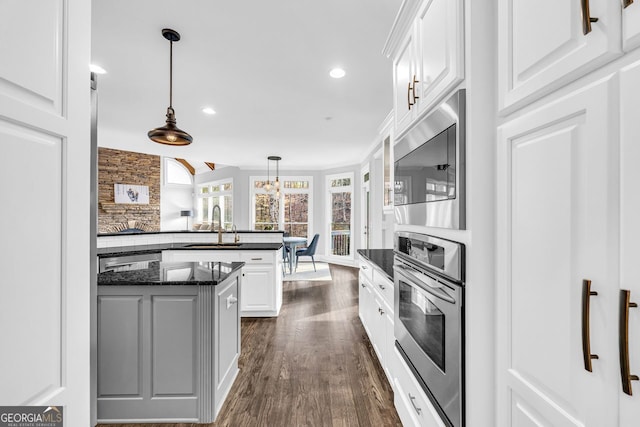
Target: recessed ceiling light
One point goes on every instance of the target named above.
(208, 110)
(97, 69)
(337, 73)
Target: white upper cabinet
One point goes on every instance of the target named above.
(440, 38)
(630, 232)
(404, 70)
(543, 45)
(630, 24)
(428, 58)
(558, 213)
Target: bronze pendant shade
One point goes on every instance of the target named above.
(170, 134)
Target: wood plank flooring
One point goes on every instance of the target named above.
(311, 366)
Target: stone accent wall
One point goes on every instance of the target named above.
(126, 167)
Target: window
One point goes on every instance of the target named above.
(175, 173)
(215, 193)
(290, 212)
(339, 205)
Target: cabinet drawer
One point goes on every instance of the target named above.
(413, 405)
(257, 257)
(366, 269)
(384, 287)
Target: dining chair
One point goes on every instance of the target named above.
(308, 251)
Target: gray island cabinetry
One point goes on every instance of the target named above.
(168, 340)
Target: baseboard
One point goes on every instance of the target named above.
(338, 261)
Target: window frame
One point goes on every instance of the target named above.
(283, 191)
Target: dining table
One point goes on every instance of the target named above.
(293, 242)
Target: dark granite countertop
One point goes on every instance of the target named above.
(169, 273)
(381, 258)
(136, 233)
(146, 249)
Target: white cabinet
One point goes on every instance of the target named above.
(429, 60)
(440, 51)
(542, 45)
(557, 226)
(404, 71)
(377, 315)
(630, 25)
(411, 402)
(262, 276)
(630, 226)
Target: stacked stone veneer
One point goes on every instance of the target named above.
(127, 167)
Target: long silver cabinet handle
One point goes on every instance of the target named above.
(413, 398)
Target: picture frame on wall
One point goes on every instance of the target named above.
(131, 194)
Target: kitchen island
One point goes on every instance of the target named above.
(168, 339)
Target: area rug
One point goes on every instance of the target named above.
(305, 272)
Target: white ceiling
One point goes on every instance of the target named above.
(262, 65)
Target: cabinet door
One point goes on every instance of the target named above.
(403, 72)
(441, 50)
(377, 336)
(542, 45)
(631, 26)
(389, 344)
(366, 305)
(630, 228)
(557, 216)
(228, 324)
(257, 288)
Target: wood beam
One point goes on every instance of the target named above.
(212, 166)
(187, 165)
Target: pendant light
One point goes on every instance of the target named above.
(169, 133)
(268, 187)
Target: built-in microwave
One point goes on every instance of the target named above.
(429, 169)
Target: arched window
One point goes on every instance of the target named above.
(176, 173)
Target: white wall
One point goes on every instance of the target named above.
(173, 199)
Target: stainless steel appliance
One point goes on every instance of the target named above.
(429, 317)
(429, 183)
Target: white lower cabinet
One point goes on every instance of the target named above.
(557, 227)
(412, 404)
(376, 312)
(262, 276)
(376, 315)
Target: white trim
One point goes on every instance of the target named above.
(327, 228)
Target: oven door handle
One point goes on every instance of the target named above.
(424, 285)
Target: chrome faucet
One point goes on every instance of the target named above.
(236, 238)
(213, 214)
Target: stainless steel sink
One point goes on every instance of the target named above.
(213, 245)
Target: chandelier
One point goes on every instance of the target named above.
(276, 185)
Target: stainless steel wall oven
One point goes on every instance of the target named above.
(429, 317)
(429, 182)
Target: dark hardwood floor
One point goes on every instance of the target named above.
(311, 366)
